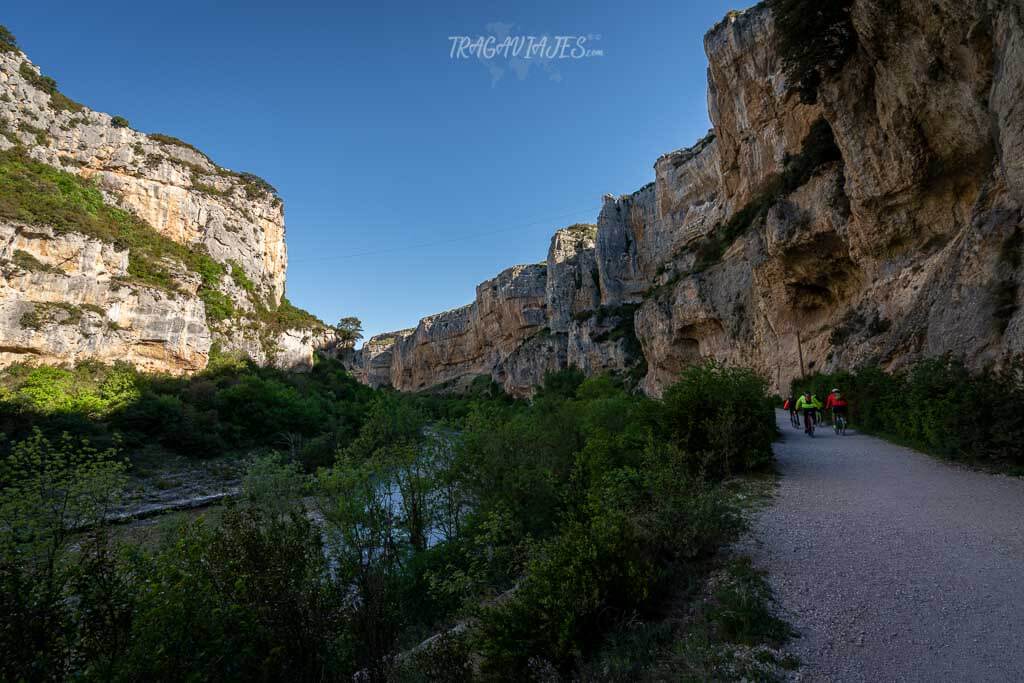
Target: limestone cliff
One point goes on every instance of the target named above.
(70, 291)
(525, 322)
(878, 220)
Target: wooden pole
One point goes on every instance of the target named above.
(800, 350)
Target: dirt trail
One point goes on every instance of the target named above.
(892, 565)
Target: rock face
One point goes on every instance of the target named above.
(75, 291)
(880, 223)
(525, 322)
(75, 308)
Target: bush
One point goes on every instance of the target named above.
(49, 490)
(249, 600)
(720, 415)
(8, 43)
(229, 406)
(218, 304)
(240, 277)
(815, 39)
(119, 122)
(28, 262)
(937, 407)
(36, 79)
(551, 521)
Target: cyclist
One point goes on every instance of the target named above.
(790, 405)
(808, 404)
(818, 417)
(837, 404)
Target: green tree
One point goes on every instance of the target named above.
(350, 329)
(50, 491)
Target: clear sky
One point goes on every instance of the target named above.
(407, 176)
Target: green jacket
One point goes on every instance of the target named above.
(804, 404)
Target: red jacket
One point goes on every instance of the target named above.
(833, 402)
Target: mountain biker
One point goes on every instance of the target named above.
(837, 404)
(818, 418)
(790, 405)
(808, 404)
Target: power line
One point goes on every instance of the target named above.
(448, 240)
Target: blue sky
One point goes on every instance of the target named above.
(407, 176)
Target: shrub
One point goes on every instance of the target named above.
(36, 79)
(240, 278)
(171, 140)
(250, 599)
(8, 43)
(39, 194)
(119, 122)
(815, 39)
(28, 262)
(287, 316)
(933, 406)
(719, 415)
(256, 187)
(218, 305)
(552, 521)
(49, 489)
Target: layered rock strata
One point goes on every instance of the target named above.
(67, 296)
(880, 223)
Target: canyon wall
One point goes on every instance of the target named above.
(69, 292)
(879, 221)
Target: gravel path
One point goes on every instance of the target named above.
(894, 566)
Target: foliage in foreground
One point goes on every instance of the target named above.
(937, 406)
(540, 527)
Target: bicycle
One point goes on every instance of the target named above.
(839, 423)
(809, 423)
(794, 419)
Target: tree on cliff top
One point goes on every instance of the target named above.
(350, 329)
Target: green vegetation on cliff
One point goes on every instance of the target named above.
(38, 194)
(815, 39)
(553, 531)
(817, 149)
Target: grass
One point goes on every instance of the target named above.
(171, 140)
(27, 261)
(44, 313)
(41, 136)
(241, 279)
(35, 193)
